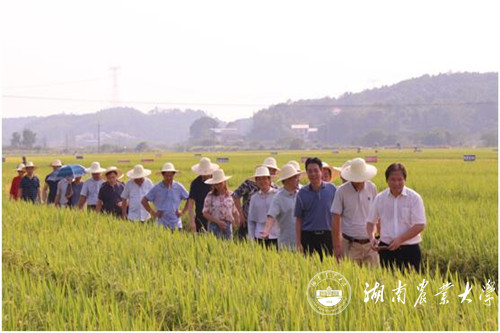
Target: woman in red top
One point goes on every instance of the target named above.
(14, 187)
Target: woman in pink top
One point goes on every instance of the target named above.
(219, 208)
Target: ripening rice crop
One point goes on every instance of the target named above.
(72, 270)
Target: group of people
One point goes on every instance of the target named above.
(271, 207)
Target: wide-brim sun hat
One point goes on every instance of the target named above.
(169, 167)
(334, 172)
(205, 167)
(345, 165)
(56, 163)
(358, 171)
(138, 172)
(30, 165)
(21, 167)
(261, 171)
(289, 171)
(270, 162)
(119, 173)
(95, 167)
(217, 177)
(295, 164)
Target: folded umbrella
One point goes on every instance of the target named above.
(67, 171)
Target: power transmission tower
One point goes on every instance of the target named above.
(114, 95)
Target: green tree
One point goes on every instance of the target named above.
(15, 142)
(142, 146)
(29, 138)
(201, 128)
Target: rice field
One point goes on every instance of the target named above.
(71, 270)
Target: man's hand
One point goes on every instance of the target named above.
(192, 226)
(178, 213)
(300, 249)
(395, 244)
(157, 214)
(374, 244)
(264, 234)
(338, 251)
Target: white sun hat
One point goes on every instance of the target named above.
(205, 167)
(119, 173)
(295, 164)
(31, 165)
(289, 171)
(138, 172)
(217, 177)
(168, 167)
(21, 167)
(56, 163)
(335, 173)
(95, 167)
(345, 165)
(358, 171)
(261, 171)
(270, 162)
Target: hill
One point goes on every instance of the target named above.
(118, 126)
(446, 109)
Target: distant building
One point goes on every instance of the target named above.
(303, 130)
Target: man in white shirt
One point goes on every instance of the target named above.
(91, 187)
(62, 191)
(350, 209)
(135, 189)
(402, 218)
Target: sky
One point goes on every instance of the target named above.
(229, 58)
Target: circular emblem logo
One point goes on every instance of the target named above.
(328, 293)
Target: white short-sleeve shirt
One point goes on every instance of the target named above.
(90, 190)
(398, 214)
(354, 207)
(134, 194)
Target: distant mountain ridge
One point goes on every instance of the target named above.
(444, 109)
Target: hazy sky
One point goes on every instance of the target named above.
(230, 58)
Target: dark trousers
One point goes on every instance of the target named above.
(268, 243)
(407, 256)
(242, 233)
(317, 241)
(201, 224)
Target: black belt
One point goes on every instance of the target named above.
(351, 240)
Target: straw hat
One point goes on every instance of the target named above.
(217, 177)
(56, 163)
(345, 165)
(335, 173)
(261, 171)
(95, 167)
(31, 165)
(288, 171)
(359, 171)
(295, 164)
(138, 172)
(168, 167)
(20, 167)
(205, 167)
(119, 173)
(270, 162)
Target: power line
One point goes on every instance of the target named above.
(56, 83)
(296, 104)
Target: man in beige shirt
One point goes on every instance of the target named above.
(350, 209)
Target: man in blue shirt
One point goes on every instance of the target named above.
(29, 189)
(166, 197)
(312, 212)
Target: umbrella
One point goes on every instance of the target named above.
(67, 171)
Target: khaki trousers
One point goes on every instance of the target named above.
(360, 253)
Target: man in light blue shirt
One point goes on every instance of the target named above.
(166, 197)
